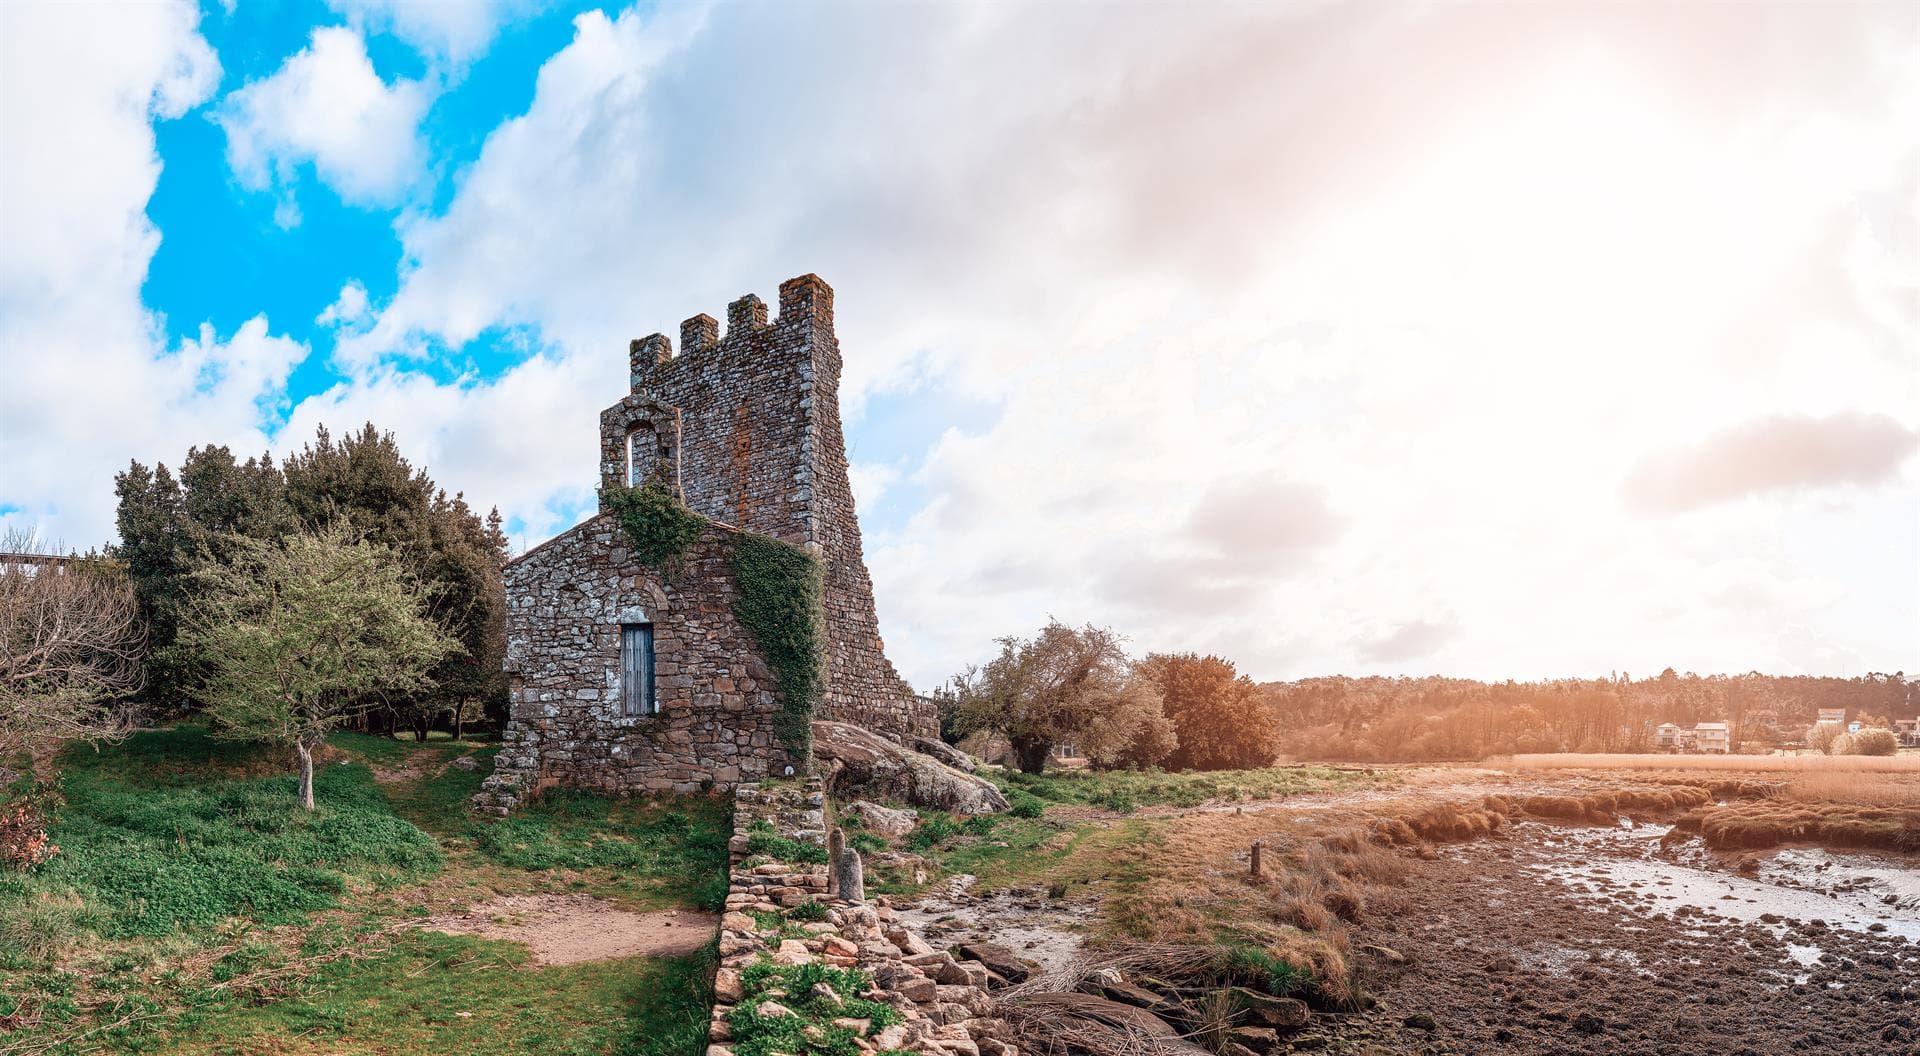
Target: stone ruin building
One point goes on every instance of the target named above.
(630, 678)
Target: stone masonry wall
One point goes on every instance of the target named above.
(944, 1004)
(566, 601)
(751, 418)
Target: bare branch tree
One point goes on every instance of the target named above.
(71, 646)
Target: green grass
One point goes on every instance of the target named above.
(682, 844)
(432, 993)
(1127, 790)
(762, 840)
(194, 908)
(1001, 850)
(151, 855)
(809, 1031)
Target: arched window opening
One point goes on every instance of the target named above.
(643, 453)
(636, 670)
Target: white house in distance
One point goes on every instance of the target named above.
(1666, 735)
(1837, 716)
(1712, 737)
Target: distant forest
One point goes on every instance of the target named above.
(1434, 718)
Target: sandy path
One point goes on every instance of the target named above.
(573, 929)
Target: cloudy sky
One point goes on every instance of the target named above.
(1497, 340)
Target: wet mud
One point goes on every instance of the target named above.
(1554, 939)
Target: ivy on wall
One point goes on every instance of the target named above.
(780, 598)
(658, 524)
(781, 601)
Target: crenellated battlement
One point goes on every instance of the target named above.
(806, 304)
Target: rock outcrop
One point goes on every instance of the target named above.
(884, 821)
(944, 752)
(853, 759)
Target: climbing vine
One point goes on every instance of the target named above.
(781, 601)
(658, 524)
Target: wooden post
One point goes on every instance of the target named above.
(1253, 858)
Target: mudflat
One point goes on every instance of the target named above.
(1551, 939)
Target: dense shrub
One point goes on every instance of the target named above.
(1025, 805)
(1867, 742)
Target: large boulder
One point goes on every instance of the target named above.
(944, 752)
(855, 759)
(999, 959)
(885, 821)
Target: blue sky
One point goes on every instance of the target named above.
(292, 271)
(1373, 338)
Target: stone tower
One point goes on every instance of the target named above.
(745, 426)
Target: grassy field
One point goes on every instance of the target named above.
(1128, 790)
(193, 909)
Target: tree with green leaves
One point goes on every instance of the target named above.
(171, 525)
(364, 480)
(290, 638)
(1051, 689)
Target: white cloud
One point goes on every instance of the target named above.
(90, 382)
(1237, 293)
(1403, 337)
(348, 309)
(447, 30)
(870, 480)
(327, 106)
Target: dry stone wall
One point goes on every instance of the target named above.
(566, 602)
(944, 1005)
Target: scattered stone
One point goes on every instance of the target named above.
(1259, 1039)
(998, 959)
(1139, 997)
(1420, 1021)
(1273, 1011)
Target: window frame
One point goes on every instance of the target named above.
(637, 637)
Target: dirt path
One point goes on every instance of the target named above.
(572, 929)
(1556, 940)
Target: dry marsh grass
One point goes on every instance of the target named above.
(1865, 789)
(1757, 826)
(1872, 764)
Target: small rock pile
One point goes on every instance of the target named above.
(943, 1001)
